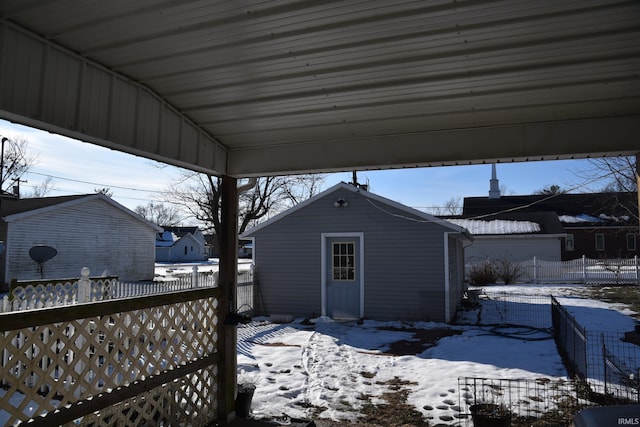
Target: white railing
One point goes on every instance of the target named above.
(245, 292)
(581, 270)
(85, 289)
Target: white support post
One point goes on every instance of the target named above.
(194, 277)
(84, 286)
(535, 270)
(584, 268)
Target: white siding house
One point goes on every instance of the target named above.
(515, 240)
(180, 244)
(347, 253)
(90, 231)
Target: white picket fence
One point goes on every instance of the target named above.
(84, 290)
(582, 270)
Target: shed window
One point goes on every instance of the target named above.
(343, 261)
(599, 242)
(631, 242)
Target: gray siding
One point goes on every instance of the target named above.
(404, 264)
(92, 234)
(456, 275)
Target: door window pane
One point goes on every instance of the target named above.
(343, 261)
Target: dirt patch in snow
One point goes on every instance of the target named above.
(275, 344)
(421, 340)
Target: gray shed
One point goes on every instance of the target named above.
(347, 253)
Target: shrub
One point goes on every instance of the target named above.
(508, 270)
(483, 273)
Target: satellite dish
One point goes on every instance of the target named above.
(42, 254)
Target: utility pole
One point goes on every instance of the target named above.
(638, 184)
(4, 139)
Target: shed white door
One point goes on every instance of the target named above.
(343, 273)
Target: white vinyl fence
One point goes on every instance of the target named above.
(85, 289)
(582, 270)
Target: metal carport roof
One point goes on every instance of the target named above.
(248, 88)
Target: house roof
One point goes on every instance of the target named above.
(593, 208)
(12, 206)
(168, 239)
(182, 231)
(12, 209)
(370, 196)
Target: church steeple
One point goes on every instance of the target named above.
(494, 185)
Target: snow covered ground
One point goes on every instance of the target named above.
(303, 366)
(166, 270)
(326, 369)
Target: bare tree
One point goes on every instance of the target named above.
(200, 196)
(42, 189)
(616, 177)
(550, 190)
(165, 215)
(453, 206)
(16, 161)
(610, 174)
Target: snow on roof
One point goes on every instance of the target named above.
(166, 238)
(496, 226)
(576, 219)
(573, 219)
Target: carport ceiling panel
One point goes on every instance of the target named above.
(257, 74)
(398, 71)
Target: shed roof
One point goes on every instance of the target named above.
(374, 198)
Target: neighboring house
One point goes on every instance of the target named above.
(516, 237)
(90, 231)
(347, 253)
(597, 225)
(246, 249)
(180, 244)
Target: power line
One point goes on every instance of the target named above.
(95, 183)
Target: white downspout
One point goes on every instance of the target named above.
(248, 185)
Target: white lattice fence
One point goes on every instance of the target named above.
(121, 362)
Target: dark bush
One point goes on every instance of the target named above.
(483, 273)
